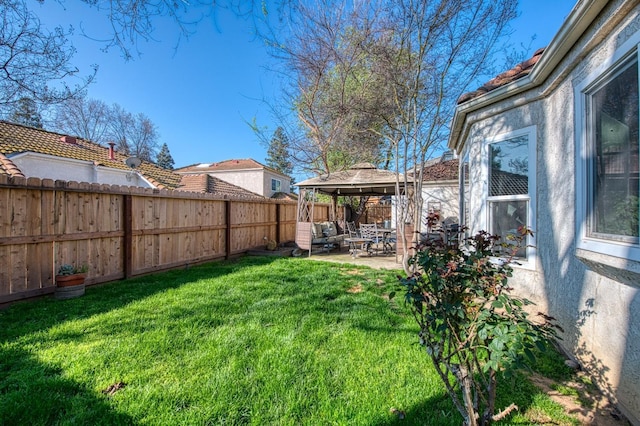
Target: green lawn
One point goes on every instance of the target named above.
(255, 341)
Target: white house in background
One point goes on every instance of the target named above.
(30, 152)
(441, 188)
(245, 173)
(553, 144)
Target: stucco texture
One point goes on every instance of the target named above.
(598, 306)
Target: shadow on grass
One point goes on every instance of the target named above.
(440, 411)
(32, 393)
(40, 314)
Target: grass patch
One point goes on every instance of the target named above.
(255, 341)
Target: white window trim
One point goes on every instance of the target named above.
(624, 250)
(531, 133)
(277, 182)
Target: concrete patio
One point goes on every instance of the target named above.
(377, 261)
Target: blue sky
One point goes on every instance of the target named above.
(202, 93)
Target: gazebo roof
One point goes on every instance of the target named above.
(360, 179)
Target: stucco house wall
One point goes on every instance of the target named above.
(594, 294)
(285, 183)
(442, 193)
(251, 180)
(59, 168)
(245, 173)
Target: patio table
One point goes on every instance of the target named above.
(358, 245)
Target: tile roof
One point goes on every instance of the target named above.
(16, 138)
(515, 73)
(507, 183)
(202, 182)
(235, 164)
(8, 168)
(285, 196)
(444, 170)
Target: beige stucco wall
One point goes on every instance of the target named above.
(445, 193)
(284, 182)
(251, 180)
(597, 305)
(254, 180)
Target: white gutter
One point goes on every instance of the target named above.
(580, 18)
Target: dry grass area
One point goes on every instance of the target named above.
(582, 400)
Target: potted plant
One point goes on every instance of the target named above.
(70, 281)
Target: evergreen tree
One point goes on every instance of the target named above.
(26, 112)
(278, 156)
(164, 158)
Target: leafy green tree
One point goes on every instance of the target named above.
(26, 112)
(278, 155)
(164, 158)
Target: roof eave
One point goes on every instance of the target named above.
(580, 18)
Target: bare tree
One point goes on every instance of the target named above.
(331, 87)
(448, 45)
(134, 135)
(84, 117)
(390, 68)
(33, 59)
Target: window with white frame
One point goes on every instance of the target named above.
(511, 164)
(607, 155)
(276, 185)
(612, 135)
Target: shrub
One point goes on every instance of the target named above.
(473, 330)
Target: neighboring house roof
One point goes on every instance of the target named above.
(507, 183)
(285, 196)
(444, 170)
(202, 182)
(8, 168)
(16, 138)
(227, 165)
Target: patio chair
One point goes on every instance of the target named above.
(370, 231)
(352, 230)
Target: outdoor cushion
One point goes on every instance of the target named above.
(329, 229)
(317, 230)
(326, 233)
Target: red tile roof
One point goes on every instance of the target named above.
(515, 73)
(16, 138)
(507, 183)
(285, 196)
(8, 168)
(227, 165)
(202, 182)
(444, 170)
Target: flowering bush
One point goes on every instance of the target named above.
(470, 326)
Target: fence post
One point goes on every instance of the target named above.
(227, 238)
(127, 251)
(278, 223)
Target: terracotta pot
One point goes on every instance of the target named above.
(70, 280)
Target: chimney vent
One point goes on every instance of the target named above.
(111, 151)
(69, 139)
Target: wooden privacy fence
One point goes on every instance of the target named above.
(121, 232)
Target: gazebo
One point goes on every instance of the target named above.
(360, 180)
